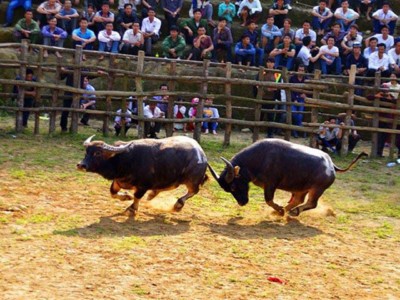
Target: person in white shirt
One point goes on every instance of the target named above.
(384, 16)
(379, 61)
(384, 38)
(322, 16)
(133, 40)
(330, 60)
(345, 16)
(180, 113)
(350, 38)
(123, 120)
(304, 56)
(303, 32)
(151, 30)
(151, 128)
(394, 55)
(108, 40)
(249, 10)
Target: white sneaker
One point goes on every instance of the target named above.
(214, 132)
(206, 131)
(289, 7)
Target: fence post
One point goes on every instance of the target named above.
(258, 106)
(139, 89)
(375, 120)
(228, 104)
(349, 112)
(21, 89)
(54, 98)
(38, 99)
(77, 84)
(169, 127)
(314, 110)
(200, 105)
(110, 87)
(394, 126)
(285, 77)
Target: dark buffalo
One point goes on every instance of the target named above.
(277, 164)
(148, 165)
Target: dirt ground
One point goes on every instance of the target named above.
(61, 240)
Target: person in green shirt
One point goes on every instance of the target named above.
(284, 54)
(190, 26)
(174, 44)
(27, 28)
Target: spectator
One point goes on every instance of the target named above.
(299, 98)
(253, 34)
(162, 101)
(379, 61)
(68, 17)
(245, 51)
(206, 10)
(174, 44)
(287, 29)
(14, 4)
(27, 28)
(328, 137)
(330, 60)
(103, 16)
(284, 54)
(223, 40)
(384, 38)
(337, 33)
(133, 3)
(249, 9)
(210, 112)
(202, 46)
(123, 121)
(29, 95)
(47, 10)
(151, 30)
(84, 36)
(171, 9)
(345, 16)
(322, 17)
(227, 10)
(132, 40)
(363, 5)
(190, 26)
(349, 39)
(108, 40)
(98, 3)
(53, 36)
(147, 4)
(304, 32)
(354, 137)
(384, 17)
(192, 113)
(89, 14)
(152, 127)
(393, 85)
(270, 35)
(125, 19)
(356, 58)
(88, 100)
(304, 56)
(394, 55)
(279, 10)
(180, 113)
(371, 47)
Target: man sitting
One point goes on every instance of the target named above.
(132, 40)
(103, 16)
(108, 40)
(328, 137)
(249, 10)
(223, 41)
(27, 28)
(202, 46)
(53, 36)
(125, 19)
(83, 36)
(245, 51)
(151, 30)
(330, 60)
(174, 44)
(46, 10)
(68, 17)
(384, 17)
(190, 26)
(345, 16)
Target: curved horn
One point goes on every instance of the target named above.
(213, 173)
(230, 174)
(116, 149)
(88, 140)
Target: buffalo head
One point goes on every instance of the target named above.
(98, 155)
(232, 182)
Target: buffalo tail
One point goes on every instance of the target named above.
(351, 164)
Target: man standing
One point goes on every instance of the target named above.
(88, 100)
(152, 127)
(29, 96)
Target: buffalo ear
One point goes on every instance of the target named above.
(236, 171)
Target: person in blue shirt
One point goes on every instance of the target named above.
(68, 17)
(270, 34)
(245, 51)
(53, 36)
(83, 36)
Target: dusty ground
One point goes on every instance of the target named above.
(60, 240)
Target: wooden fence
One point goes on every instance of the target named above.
(318, 104)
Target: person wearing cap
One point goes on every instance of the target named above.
(151, 30)
(379, 61)
(356, 58)
(384, 16)
(245, 51)
(383, 37)
(174, 44)
(202, 46)
(103, 16)
(350, 38)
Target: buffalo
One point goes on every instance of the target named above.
(277, 164)
(153, 165)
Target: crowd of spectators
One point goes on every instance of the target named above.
(329, 39)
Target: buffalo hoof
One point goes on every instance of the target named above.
(130, 212)
(294, 212)
(125, 196)
(178, 206)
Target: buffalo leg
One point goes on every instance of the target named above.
(114, 190)
(152, 194)
(192, 190)
(133, 209)
(311, 203)
(269, 199)
(297, 199)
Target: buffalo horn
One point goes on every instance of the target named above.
(116, 149)
(213, 173)
(88, 140)
(230, 174)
